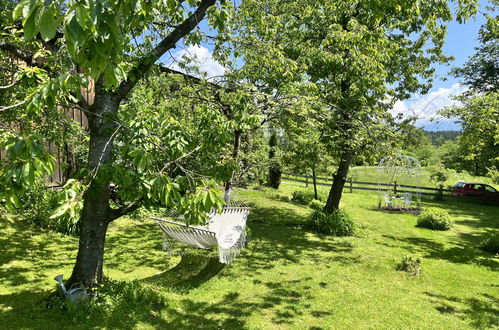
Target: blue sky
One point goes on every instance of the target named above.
(461, 41)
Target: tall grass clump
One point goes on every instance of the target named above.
(338, 223)
(436, 219)
(410, 264)
(491, 243)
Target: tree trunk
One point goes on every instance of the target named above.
(96, 214)
(235, 153)
(275, 172)
(315, 183)
(339, 179)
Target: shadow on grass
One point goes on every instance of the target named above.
(117, 314)
(192, 271)
(465, 250)
(482, 311)
(133, 246)
(25, 259)
(282, 299)
(276, 240)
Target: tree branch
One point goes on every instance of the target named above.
(9, 85)
(13, 50)
(169, 42)
(14, 105)
(124, 210)
(197, 80)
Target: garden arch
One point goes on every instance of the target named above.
(399, 186)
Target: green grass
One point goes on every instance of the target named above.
(287, 278)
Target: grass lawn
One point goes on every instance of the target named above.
(287, 278)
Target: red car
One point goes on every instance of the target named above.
(475, 189)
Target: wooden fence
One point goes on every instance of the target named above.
(62, 156)
(352, 185)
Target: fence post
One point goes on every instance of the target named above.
(315, 183)
(306, 179)
(441, 191)
(351, 186)
(395, 188)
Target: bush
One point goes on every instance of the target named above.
(410, 264)
(316, 205)
(305, 196)
(338, 223)
(39, 203)
(493, 174)
(302, 197)
(436, 219)
(491, 243)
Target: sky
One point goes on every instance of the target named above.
(461, 41)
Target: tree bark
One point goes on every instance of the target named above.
(235, 153)
(274, 175)
(96, 214)
(315, 183)
(339, 179)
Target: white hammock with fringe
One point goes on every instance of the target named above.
(226, 230)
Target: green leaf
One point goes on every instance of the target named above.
(18, 11)
(30, 28)
(48, 26)
(14, 200)
(28, 173)
(10, 208)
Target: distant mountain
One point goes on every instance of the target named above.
(439, 137)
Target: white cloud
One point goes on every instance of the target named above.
(197, 56)
(426, 108)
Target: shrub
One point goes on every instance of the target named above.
(316, 205)
(306, 196)
(436, 219)
(491, 243)
(493, 174)
(302, 197)
(410, 264)
(338, 223)
(39, 204)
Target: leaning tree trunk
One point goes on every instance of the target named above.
(339, 179)
(96, 214)
(235, 153)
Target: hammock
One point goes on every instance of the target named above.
(225, 230)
